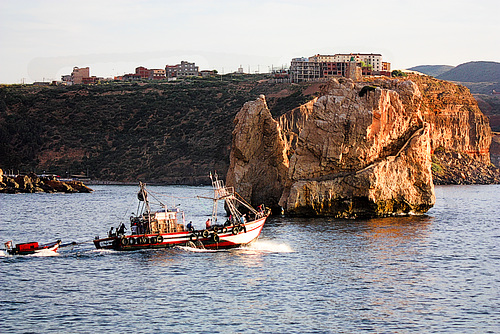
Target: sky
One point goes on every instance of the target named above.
(41, 40)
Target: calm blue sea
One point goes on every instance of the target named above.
(438, 273)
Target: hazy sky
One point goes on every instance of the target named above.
(44, 39)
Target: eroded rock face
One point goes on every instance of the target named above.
(356, 151)
(457, 123)
(394, 185)
(258, 152)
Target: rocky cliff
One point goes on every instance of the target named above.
(460, 133)
(456, 121)
(358, 150)
(361, 149)
(461, 136)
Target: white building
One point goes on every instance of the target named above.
(374, 59)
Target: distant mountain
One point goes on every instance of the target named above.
(475, 71)
(432, 70)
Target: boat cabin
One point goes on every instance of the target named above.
(163, 221)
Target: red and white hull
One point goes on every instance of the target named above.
(214, 238)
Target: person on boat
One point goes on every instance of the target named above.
(134, 228)
(121, 229)
(208, 223)
(243, 219)
(190, 226)
(110, 233)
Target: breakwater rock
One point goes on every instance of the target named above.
(32, 183)
(356, 151)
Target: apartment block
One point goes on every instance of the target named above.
(182, 70)
(321, 67)
(142, 72)
(78, 74)
(303, 70)
(157, 74)
(373, 59)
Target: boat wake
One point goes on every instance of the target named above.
(43, 253)
(269, 246)
(199, 250)
(259, 246)
(101, 251)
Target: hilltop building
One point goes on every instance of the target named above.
(157, 74)
(182, 70)
(79, 76)
(321, 67)
(280, 75)
(79, 73)
(143, 73)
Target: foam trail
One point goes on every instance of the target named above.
(45, 252)
(270, 246)
(197, 250)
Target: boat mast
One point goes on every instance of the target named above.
(143, 197)
(222, 192)
(216, 184)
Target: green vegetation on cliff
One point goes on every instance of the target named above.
(157, 132)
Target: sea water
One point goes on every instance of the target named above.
(437, 273)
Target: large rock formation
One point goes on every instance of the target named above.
(357, 150)
(363, 149)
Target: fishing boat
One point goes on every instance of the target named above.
(166, 227)
(28, 248)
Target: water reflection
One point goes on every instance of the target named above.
(376, 264)
(394, 234)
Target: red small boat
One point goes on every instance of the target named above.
(166, 228)
(31, 248)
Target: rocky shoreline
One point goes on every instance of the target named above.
(32, 183)
(455, 168)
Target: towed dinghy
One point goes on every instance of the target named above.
(28, 248)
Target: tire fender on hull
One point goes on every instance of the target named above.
(205, 234)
